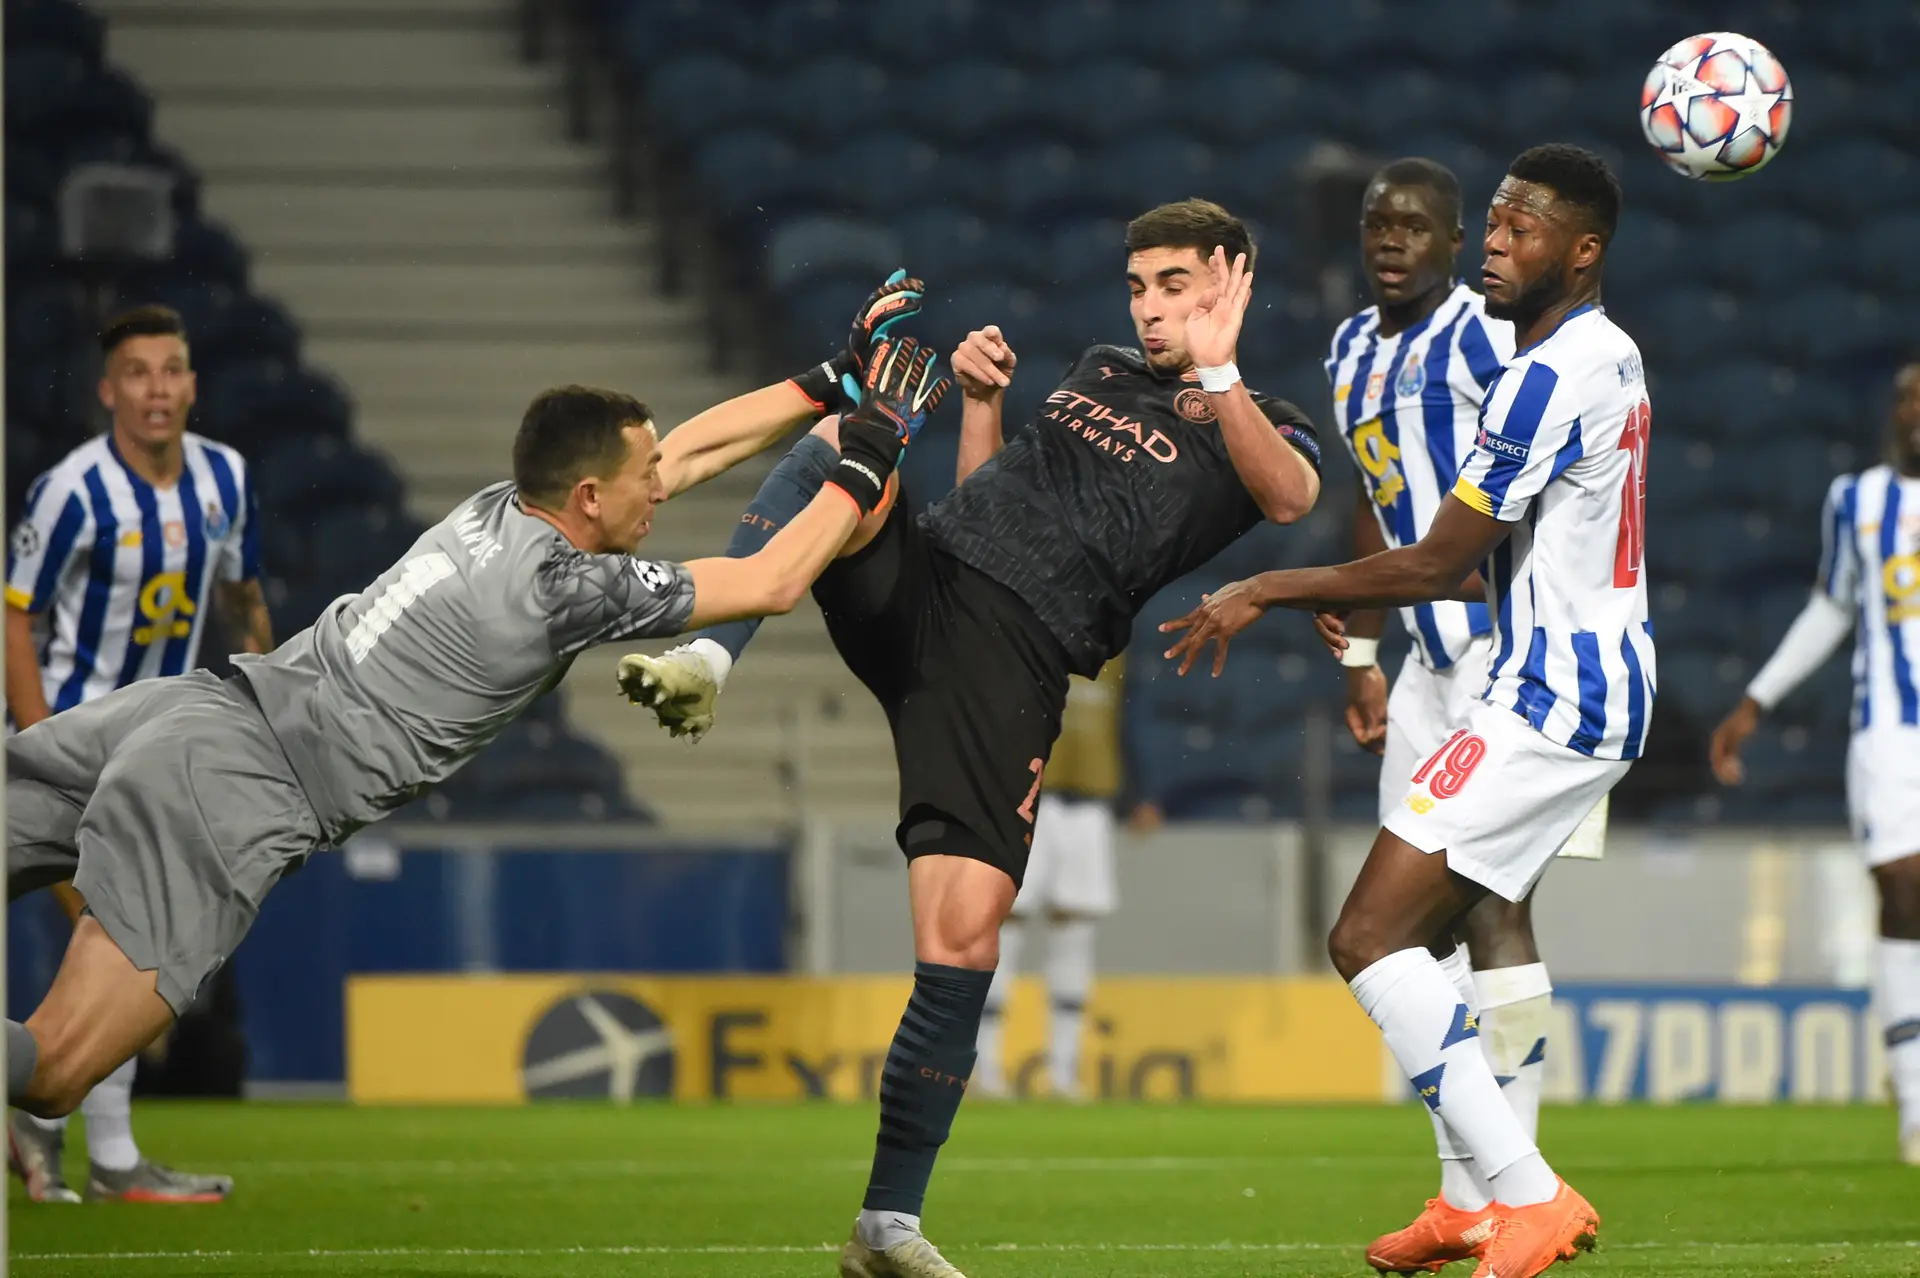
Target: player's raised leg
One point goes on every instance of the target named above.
(682, 684)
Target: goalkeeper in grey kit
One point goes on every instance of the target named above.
(175, 804)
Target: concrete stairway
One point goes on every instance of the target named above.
(406, 188)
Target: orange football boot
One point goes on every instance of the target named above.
(1530, 1240)
(1437, 1237)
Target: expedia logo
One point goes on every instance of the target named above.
(598, 1045)
(1501, 446)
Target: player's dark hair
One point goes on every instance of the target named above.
(568, 434)
(1419, 171)
(141, 321)
(1578, 177)
(1200, 225)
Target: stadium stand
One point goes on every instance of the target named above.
(1003, 170)
(334, 511)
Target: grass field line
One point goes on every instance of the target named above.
(401, 1168)
(721, 1249)
(644, 1167)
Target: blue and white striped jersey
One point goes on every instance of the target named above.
(1870, 563)
(122, 570)
(1562, 455)
(1408, 405)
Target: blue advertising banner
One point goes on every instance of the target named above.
(1732, 1044)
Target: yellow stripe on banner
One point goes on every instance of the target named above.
(19, 599)
(498, 1040)
(1473, 497)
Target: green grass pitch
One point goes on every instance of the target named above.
(1023, 1191)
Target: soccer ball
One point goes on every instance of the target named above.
(1716, 106)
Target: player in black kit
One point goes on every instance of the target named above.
(966, 620)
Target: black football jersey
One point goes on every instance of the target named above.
(1120, 485)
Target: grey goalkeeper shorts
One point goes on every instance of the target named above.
(171, 807)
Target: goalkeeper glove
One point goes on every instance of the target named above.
(902, 385)
(836, 384)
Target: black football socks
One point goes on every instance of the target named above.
(787, 490)
(921, 1084)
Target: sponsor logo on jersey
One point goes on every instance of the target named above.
(1194, 406)
(1107, 430)
(131, 537)
(174, 532)
(1901, 577)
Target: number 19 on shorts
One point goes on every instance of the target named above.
(1447, 772)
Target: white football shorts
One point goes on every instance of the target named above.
(1070, 867)
(1883, 792)
(1501, 800)
(1427, 706)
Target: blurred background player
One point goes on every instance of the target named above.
(1409, 375)
(1552, 500)
(1869, 585)
(125, 549)
(1069, 886)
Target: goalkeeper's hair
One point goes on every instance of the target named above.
(1417, 170)
(1200, 225)
(568, 434)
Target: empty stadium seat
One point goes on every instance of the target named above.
(1004, 145)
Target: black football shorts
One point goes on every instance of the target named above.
(973, 684)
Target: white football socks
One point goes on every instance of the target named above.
(1516, 1011)
(990, 1067)
(108, 1110)
(1461, 1183)
(1899, 998)
(883, 1229)
(1069, 980)
(1432, 1034)
(719, 660)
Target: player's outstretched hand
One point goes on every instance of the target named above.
(1213, 325)
(984, 363)
(896, 300)
(1220, 616)
(901, 387)
(1724, 749)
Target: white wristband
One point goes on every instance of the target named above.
(1217, 379)
(1361, 653)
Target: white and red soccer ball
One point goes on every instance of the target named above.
(1716, 106)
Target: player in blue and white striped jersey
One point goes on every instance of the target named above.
(126, 547)
(1869, 585)
(1409, 376)
(1552, 504)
